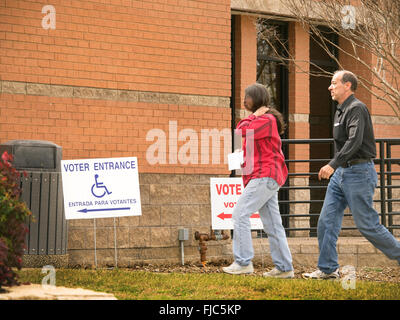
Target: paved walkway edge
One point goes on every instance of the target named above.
(39, 292)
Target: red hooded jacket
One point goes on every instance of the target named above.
(262, 146)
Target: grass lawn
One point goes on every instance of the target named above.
(142, 285)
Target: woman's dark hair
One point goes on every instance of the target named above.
(279, 120)
(259, 94)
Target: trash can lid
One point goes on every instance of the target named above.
(34, 154)
(39, 143)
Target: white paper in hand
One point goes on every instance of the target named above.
(235, 160)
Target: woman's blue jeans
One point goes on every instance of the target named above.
(260, 195)
(353, 187)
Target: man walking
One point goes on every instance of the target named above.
(353, 180)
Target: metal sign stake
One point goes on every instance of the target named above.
(115, 245)
(95, 254)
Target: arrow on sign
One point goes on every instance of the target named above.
(224, 216)
(107, 209)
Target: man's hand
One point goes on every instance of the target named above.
(325, 172)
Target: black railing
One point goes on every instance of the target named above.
(387, 168)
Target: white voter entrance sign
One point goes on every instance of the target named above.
(101, 188)
(225, 193)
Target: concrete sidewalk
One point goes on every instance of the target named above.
(39, 292)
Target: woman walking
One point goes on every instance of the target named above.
(264, 172)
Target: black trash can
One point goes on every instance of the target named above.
(42, 192)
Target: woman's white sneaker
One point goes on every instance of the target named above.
(275, 273)
(236, 268)
(320, 275)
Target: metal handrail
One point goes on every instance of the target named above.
(386, 165)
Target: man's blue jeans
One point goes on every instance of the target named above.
(354, 187)
(260, 195)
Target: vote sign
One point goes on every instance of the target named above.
(225, 193)
(101, 188)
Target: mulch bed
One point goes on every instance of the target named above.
(382, 274)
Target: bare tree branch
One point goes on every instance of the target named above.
(373, 26)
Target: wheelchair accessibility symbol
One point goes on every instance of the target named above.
(99, 190)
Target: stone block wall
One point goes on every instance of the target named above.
(169, 202)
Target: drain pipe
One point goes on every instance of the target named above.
(203, 237)
(183, 235)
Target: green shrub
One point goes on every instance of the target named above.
(13, 215)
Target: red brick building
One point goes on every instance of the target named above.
(111, 71)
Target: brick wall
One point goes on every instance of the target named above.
(298, 126)
(110, 72)
(245, 59)
(299, 100)
(87, 126)
(113, 79)
(162, 46)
